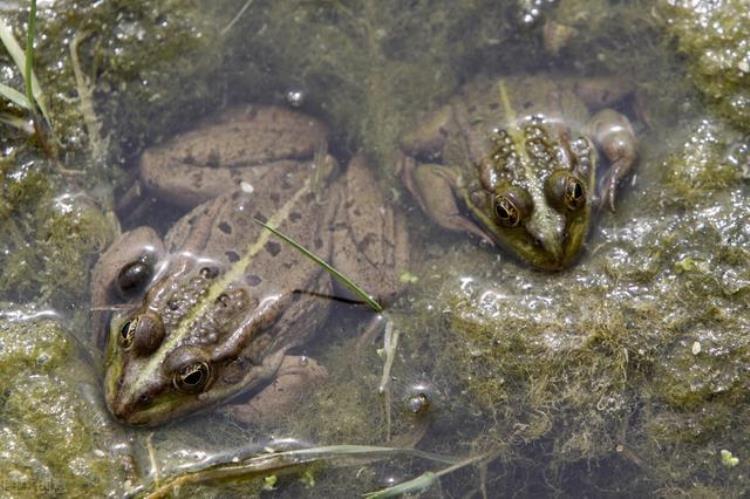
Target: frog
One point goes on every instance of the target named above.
(217, 311)
(516, 162)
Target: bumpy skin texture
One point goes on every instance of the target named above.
(226, 300)
(513, 161)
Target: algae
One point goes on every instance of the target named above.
(54, 440)
(47, 239)
(134, 53)
(713, 36)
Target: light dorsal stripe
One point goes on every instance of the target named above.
(519, 141)
(219, 286)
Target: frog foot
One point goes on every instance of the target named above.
(616, 138)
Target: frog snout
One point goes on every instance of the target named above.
(550, 233)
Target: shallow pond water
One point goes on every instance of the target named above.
(626, 374)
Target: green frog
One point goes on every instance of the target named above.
(215, 310)
(515, 161)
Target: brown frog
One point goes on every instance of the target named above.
(212, 312)
(514, 161)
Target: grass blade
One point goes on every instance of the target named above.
(426, 479)
(361, 293)
(240, 466)
(17, 122)
(15, 97)
(416, 485)
(19, 58)
(12, 46)
(29, 53)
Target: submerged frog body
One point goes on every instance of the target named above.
(213, 311)
(514, 161)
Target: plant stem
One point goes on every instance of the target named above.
(30, 54)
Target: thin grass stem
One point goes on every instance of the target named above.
(361, 293)
(29, 62)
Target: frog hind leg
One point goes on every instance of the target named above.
(252, 145)
(601, 92)
(370, 240)
(290, 384)
(614, 135)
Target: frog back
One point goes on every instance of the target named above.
(485, 105)
(224, 268)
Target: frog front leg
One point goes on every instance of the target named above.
(295, 375)
(433, 186)
(614, 135)
(611, 131)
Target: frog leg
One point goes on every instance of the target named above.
(294, 377)
(602, 92)
(370, 239)
(248, 147)
(429, 137)
(614, 135)
(432, 185)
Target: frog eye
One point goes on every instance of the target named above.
(134, 277)
(192, 378)
(565, 191)
(512, 207)
(127, 333)
(143, 334)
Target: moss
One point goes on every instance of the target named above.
(54, 442)
(135, 58)
(713, 36)
(73, 232)
(709, 160)
(47, 240)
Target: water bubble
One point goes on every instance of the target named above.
(419, 398)
(295, 97)
(418, 404)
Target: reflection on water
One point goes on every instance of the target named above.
(517, 380)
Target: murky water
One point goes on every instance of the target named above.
(626, 374)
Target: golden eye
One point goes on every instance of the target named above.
(127, 334)
(565, 191)
(575, 194)
(192, 378)
(506, 211)
(512, 206)
(143, 333)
